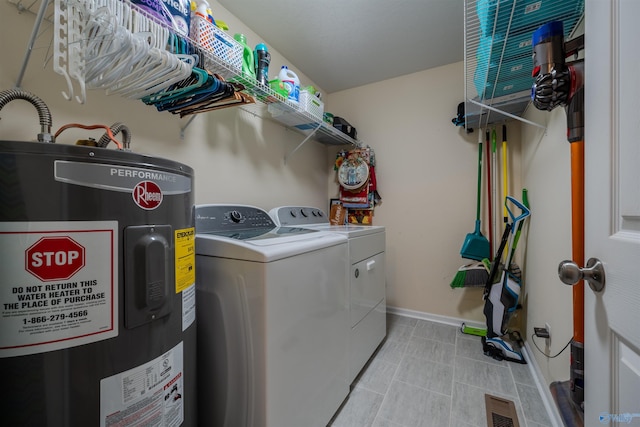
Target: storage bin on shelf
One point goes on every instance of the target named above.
(505, 42)
(224, 53)
(491, 50)
(522, 86)
(520, 16)
(311, 104)
(514, 75)
(292, 116)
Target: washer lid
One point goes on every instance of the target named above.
(262, 233)
(266, 249)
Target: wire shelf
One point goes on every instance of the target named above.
(498, 54)
(69, 60)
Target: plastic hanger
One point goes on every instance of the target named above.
(211, 86)
(197, 79)
(169, 70)
(132, 53)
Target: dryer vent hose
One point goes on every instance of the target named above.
(44, 114)
(115, 129)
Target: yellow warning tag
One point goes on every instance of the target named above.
(185, 244)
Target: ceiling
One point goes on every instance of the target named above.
(344, 44)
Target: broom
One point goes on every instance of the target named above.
(470, 275)
(475, 246)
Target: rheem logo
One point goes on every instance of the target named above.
(54, 258)
(147, 195)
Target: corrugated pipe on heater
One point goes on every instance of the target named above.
(44, 114)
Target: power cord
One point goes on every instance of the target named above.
(533, 340)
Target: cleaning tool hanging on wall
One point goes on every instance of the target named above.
(489, 200)
(475, 245)
(505, 186)
(494, 185)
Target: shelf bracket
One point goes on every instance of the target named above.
(302, 143)
(34, 35)
(186, 125)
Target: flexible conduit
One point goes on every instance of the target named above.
(44, 114)
(115, 129)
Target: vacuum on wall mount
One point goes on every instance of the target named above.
(561, 83)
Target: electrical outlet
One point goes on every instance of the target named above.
(548, 339)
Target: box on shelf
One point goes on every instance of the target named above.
(502, 16)
(345, 127)
(491, 50)
(505, 87)
(516, 72)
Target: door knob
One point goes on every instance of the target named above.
(593, 273)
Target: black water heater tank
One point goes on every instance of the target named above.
(97, 295)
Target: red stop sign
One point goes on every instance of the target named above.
(54, 258)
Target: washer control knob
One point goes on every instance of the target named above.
(235, 216)
(304, 213)
(293, 213)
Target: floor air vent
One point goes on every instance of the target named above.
(500, 412)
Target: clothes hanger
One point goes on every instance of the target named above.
(197, 79)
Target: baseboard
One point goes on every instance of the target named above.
(453, 321)
(536, 373)
(545, 392)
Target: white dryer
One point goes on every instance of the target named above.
(366, 283)
(271, 308)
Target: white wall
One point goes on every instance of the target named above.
(546, 171)
(427, 177)
(238, 158)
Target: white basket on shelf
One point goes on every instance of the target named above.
(218, 44)
(311, 104)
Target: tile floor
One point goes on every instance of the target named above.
(428, 374)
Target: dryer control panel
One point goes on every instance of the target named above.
(299, 215)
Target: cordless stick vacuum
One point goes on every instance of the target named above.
(558, 83)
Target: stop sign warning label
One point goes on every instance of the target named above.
(58, 287)
(54, 258)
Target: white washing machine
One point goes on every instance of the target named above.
(271, 309)
(366, 283)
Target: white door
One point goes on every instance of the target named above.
(612, 211)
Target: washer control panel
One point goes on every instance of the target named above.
(216, 218)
